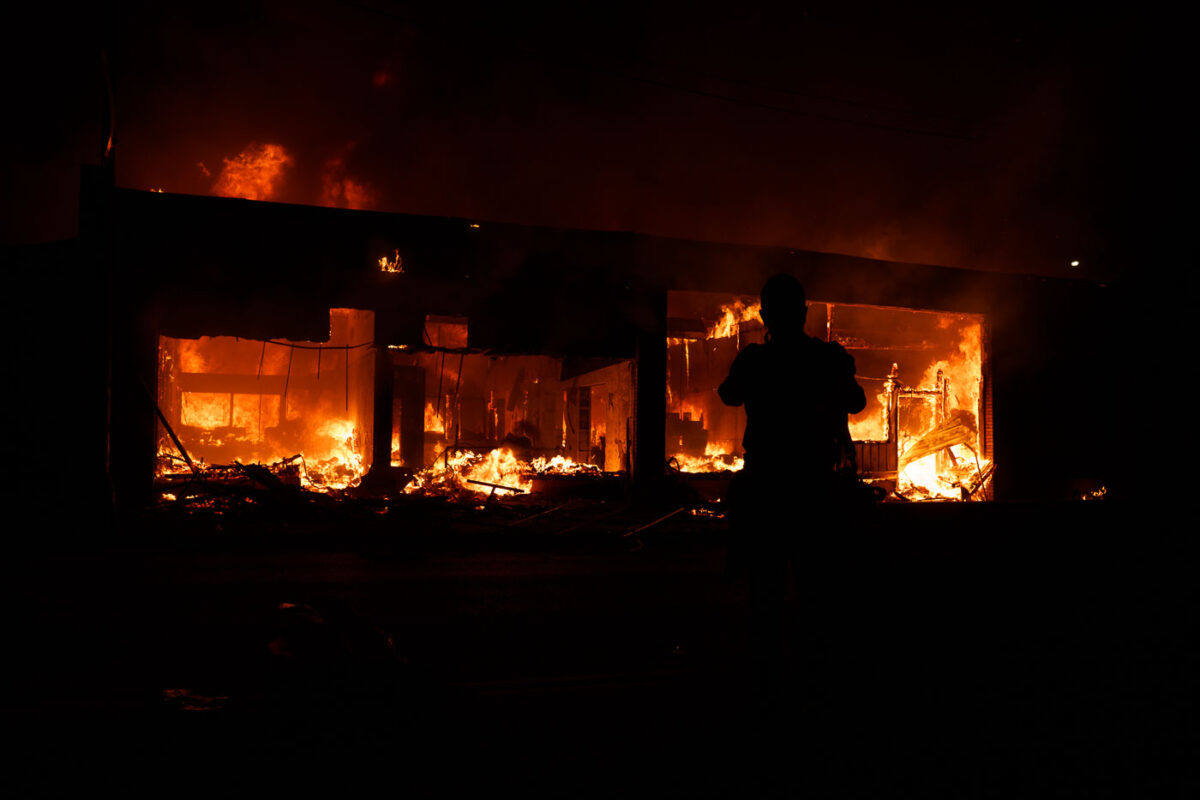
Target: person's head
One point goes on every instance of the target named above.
(784, 306)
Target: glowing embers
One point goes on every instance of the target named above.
(300, 407)
(716, 458)
(499, 470)
(467, 471)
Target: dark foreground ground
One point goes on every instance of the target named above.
(956, 651)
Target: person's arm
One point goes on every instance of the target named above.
(854, 399)
(733, 389)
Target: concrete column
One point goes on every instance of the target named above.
(650, 452)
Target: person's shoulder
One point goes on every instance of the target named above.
(812, 344)
(752, 352)
(837, 353)
(835, 348)
(751, 358)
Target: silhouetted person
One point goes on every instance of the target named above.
(788, 506)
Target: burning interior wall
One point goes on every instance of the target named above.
(924, 373)
(306, 409)
(499, 420)
(303, 406)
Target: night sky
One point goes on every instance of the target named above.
(986, 139)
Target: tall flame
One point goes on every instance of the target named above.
(433, 419)
(732, 316)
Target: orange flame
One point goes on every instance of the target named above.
(944, 475)
(226, 393)
(433, 420)
(205, 409)
(871, 425)
(732, 316)
(561, 465)
(452, 476)
(393, 264)
(334, 459)
(716, 458)
(254, 173)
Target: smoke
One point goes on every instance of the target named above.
(338, 188)
(963, 142)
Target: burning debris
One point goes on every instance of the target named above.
(233, 401)
(467, 471)
(944, 462)
(468, 423)
(498, 470)
(715, 459)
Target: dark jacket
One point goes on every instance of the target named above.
(797, 395)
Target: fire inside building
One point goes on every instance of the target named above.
(339, 350)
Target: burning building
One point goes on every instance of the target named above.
(340, 348)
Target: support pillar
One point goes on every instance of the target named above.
(650, 381)
(409, 388)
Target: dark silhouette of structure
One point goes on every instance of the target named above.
(791, 503)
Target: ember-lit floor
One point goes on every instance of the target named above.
(1007, 651)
